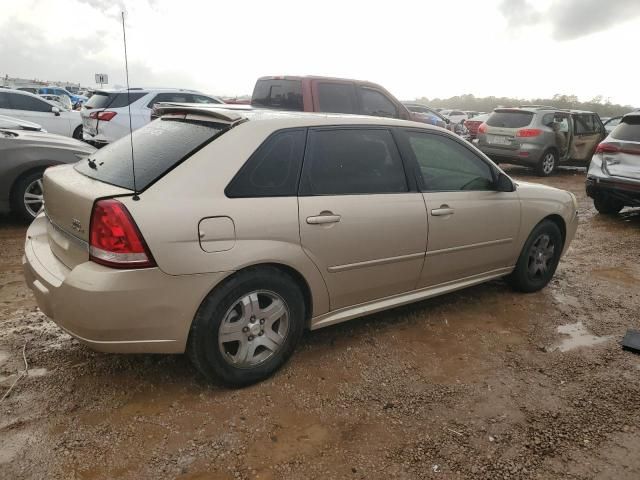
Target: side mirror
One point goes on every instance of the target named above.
(56, 111)
(504, 183)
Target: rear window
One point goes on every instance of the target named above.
(158, 147)
(278, 94)
(337, 97)
(509, 119)
(113, 99)
(628, 130)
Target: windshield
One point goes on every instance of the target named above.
(158, 147)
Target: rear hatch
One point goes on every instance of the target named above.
(101, 101)
(621, 150)
(71, 190)
(503, 125)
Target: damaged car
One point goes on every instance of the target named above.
(613, 179)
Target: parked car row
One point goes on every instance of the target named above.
(74, 100)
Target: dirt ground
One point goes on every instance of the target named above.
(481, 384)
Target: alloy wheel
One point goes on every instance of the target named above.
(34, 197)
(253, 329)
(541, 255)
(548, 163)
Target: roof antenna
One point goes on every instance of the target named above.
(126, 66)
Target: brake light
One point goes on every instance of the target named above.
(114, 238)
(103, 115)
(528, 132)
(482, 128)
(607, 148)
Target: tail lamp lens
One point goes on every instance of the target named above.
(114, 238)
(528, 132)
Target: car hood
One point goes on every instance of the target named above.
(41, 139)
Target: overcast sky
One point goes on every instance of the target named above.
(521, 48)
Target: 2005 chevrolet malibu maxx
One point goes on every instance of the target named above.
(244, 227)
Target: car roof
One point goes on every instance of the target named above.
(541, 108)
(284, 119)
(635, 113)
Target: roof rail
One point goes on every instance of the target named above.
(545, 107)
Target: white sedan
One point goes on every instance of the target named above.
(29, 107)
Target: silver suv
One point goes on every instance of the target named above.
(540, 137)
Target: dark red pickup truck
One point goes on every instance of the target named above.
(331, 95)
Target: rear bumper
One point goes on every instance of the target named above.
(527, 154)
(626, 191)
(122, 311)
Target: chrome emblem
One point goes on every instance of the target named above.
(76, 225)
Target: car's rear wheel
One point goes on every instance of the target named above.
(77, 133)
(248, 327)
(539, 258)
(606, 205)
(547, 164)
(28, 196)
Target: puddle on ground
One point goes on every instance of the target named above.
(617, 275)
(577, 336)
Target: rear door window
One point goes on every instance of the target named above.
(273, 170)
(352, 161)
(203, 99)
(158, 147)
(377, 104)
(337, 97)
(628, 130)
(278, 94)
(4, 100)
(173, 97)
(28, 103)
(509, 119)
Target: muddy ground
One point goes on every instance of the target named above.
(479, 384)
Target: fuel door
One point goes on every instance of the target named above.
(216, 234)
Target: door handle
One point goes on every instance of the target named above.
(442, 211)
(323, 218)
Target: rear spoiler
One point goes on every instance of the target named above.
(221, 113)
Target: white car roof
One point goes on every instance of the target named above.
(22, 92)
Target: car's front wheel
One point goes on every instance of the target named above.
(248, 327)
(28, 196)
(547, 164)
(606, 205)
(539, 258)
(77, 133)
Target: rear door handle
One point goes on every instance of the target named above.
(323, 218)
(442, 211)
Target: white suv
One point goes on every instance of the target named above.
(53, 117)
(105, 116)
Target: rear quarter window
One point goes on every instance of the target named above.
(512, 119)
(628, 130)
(278, 94)
(158, 147)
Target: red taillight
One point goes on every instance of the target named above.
(114, 238)
(528, 132)
(607, 148)
(103, 116)
(482, 128)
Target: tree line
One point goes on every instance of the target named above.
(602, 106)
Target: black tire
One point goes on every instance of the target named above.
(606, 205)
(203, 348)
(547, 163)
(523, 278)
(77, 133)
(18, 206)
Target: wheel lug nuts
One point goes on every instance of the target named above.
(250, 337)
(245, 329)
(260, 334)
(253, 319)
(262, 321)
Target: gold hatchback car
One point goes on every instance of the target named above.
(240, 228)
